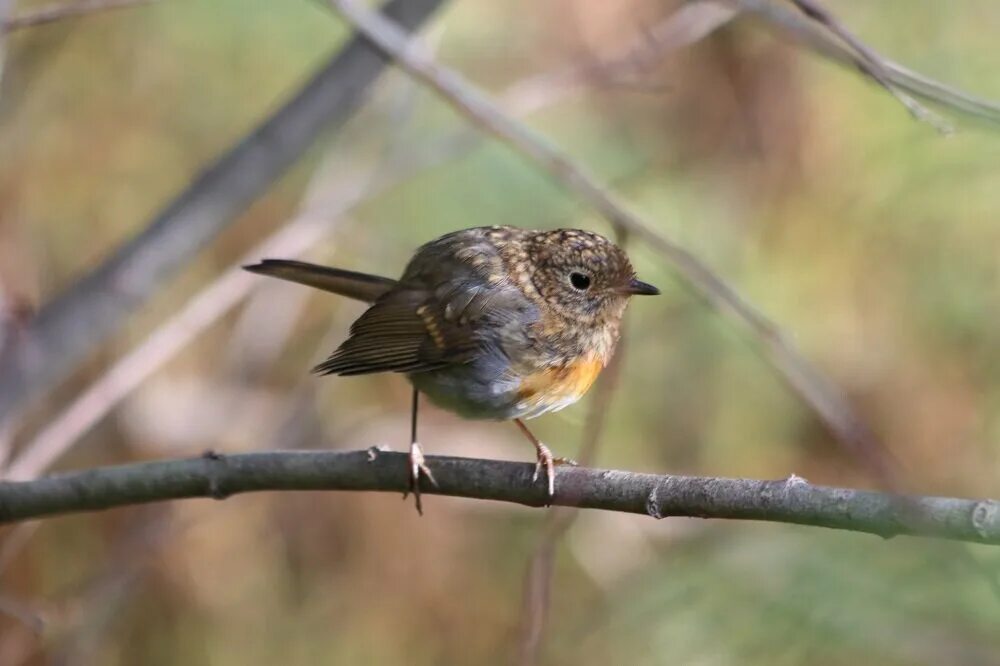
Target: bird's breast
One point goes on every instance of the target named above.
(553, 388)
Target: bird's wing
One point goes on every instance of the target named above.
(419, 330)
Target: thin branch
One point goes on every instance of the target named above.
(832, 408)
(77, 321)
(870, 62)
(792, 500)
(689, 24)
(787, 23)
(66, 10)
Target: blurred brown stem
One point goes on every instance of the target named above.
(791, 500)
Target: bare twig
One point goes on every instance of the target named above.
(72, 325)
(871, 63)
(66, 10)
(691, 23)
(475, 106)
(791, 500)
(787, 23)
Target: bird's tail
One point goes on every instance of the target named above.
(360, 286)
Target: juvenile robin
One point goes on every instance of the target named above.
(490, 322)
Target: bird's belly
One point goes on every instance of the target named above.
(468, 393)
(477, 393)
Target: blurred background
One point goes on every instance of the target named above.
(872, 239)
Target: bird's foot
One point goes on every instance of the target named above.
(548, 462)
(418, 467)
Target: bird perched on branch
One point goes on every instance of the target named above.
(490, 322)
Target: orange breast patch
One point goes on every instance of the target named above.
(561, 384)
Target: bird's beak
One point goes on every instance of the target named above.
(639, 288)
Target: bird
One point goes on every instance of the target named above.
(498, 322)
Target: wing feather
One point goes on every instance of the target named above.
(420, 330)
(393, 335)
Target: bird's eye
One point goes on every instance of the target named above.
(579, 281)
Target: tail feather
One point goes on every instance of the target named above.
(359, 286)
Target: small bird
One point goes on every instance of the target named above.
(495, 323)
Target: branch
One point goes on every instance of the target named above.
(70, 327)
(810, 384)
(870, 62)
(786, 501)
(65, 10)
(790, 24)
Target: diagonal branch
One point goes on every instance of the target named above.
(791, 500)
(78, 320)
(65, 10)
(787, 23)
(824, 398)
(870, 62)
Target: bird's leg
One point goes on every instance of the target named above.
(417, 464)
(545, 459)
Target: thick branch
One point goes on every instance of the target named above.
(787, 501)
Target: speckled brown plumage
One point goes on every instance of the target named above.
(489, 322)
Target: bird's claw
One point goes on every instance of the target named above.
(418, 467)
(546, 460)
